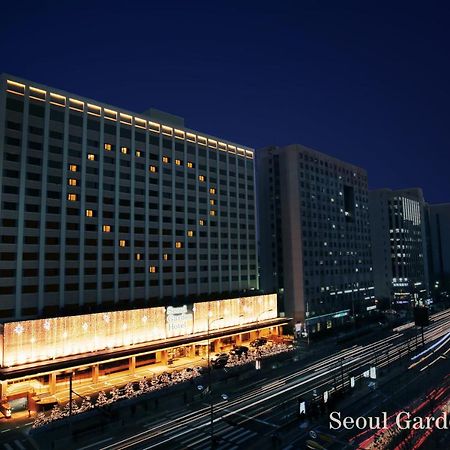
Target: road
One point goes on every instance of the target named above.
(258, 412)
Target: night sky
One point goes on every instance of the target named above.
(365, 81)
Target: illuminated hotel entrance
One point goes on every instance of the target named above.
(125, 344)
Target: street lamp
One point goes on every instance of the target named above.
(224, 398)
(71, 391)
(211, 404)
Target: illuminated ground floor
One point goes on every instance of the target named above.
(38, 386)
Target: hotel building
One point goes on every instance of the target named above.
(125, 223)
(314, 235)
(399, 244)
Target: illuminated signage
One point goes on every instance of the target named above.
(48, 339)
(179, 321)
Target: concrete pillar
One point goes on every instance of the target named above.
(52, 383)
(95, 372)
(238, 339)
(162, 357)
(3, 389)
(132, 364)
(216, 344)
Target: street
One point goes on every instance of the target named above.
(260, 413)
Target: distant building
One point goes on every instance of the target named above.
(439, 223)
(314, 235)
(399, 242)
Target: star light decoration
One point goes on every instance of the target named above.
(19, 329)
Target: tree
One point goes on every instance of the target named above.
(143, 385)
(66, 409)
(86, 405)
(115, 395)
(55, 414)
(102, 400)
(129, 390)
(41, 419)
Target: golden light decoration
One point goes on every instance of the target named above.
(45, 339)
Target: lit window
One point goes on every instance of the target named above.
(166, 257)
(138, 256)
(89, 213)
(212, 191)
(152, 269)
(108, 147)
(72, 197)
(153, 169)
(190, 165)
(201, 222)
(73, 167)
(178, 162)
(190, 233)
(165, 159)
(106, 228)
(124, 150)
(212, 213)
(138, 153)
(201, 178)
(178, 244)
(122, 243)
(212, 202)
(72, 182)
(91, 157)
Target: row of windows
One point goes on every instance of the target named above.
(109, 270)
(33, 289)
(74, 226)
(57, 116)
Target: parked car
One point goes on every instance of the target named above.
(239, 350)
(220, 361)
(258, 342)
(219, 356)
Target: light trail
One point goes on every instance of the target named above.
(385, 351)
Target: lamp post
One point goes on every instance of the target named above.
(71, 391)
(211, 404)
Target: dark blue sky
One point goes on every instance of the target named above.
(365, 81)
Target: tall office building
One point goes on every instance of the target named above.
(104, 208)
(439, 226)
(399, 244)
(314, 235)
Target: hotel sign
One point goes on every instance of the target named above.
(179, 320)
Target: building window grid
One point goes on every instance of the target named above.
(90, 213)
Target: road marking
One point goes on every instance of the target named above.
(19, 444)
(96, 443)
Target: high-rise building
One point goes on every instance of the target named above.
(314, 235)
(439, 225)
(399, 244)
(102, 207)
